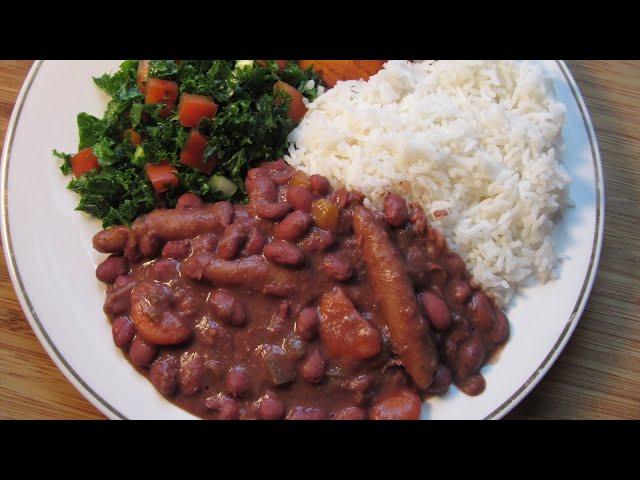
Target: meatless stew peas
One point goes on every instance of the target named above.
(303, 304)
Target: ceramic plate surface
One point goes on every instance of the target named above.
(52, 263)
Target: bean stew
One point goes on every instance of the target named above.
(302, 304)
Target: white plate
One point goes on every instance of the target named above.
(51, 261)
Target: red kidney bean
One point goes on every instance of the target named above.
(186, 304)
(284, 253)
(272, 211)
(164, 269)
(118, 297)
(123, 331)
(215, 368)
(149, 245)
(313, 367)
(470, 356)
(474, 385)
(205, 243)
(452, 341)
(454, 265)
(122, 280)
(481, 312)
(319, 184)
(317, 241)
(299, 197)
(436, 310)
(189, 200)
(306, 413)
(458, 291)
(233, 240)
(441, 381)
(279, 172)
(349, 413)
(164, 374)
(308, 323)
(226, 307)
(227, 407)
(336, 267)
(260, 187)
(214, 335)
(192, 371)
(255, 242)
(359, 384)
(141, 353)
(500, 328)
(356, 198)
(401, 405)
(418, 218)
(437, 275)
(395, 210)
(112, 240)
(112, 268)
(270, 408)
(293, 226)
(177, 249)
(238, 382)
(340, 197)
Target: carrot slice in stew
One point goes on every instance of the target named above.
(192, 154)
(162, 91)
(162, 176)
(297, 109)
(84, 161)
(192, 108)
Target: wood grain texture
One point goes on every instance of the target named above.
(596, 377)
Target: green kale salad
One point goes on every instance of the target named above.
(176, 126)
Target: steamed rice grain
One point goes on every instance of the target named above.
(476, 139)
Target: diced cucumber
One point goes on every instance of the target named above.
(138, 156)
(221, 184)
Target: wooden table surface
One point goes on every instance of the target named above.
(596, 377)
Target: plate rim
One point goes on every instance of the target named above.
(111, 412)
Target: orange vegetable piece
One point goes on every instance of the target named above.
(326, 214)
(84, 161)
(162, 176)
(331, 71)
(192, 154)
(297, 109)
(162, 91)
(192, 108)
(402, 405)
(134, 136)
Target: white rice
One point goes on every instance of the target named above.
(474, 138)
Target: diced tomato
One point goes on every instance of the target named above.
(84, 161)
(143, 75)
(162, 176)
(134, 136)
(194, 107)
(297, 109)
(162, 91)
(192, 154)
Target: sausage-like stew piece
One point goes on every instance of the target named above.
(409, 333)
